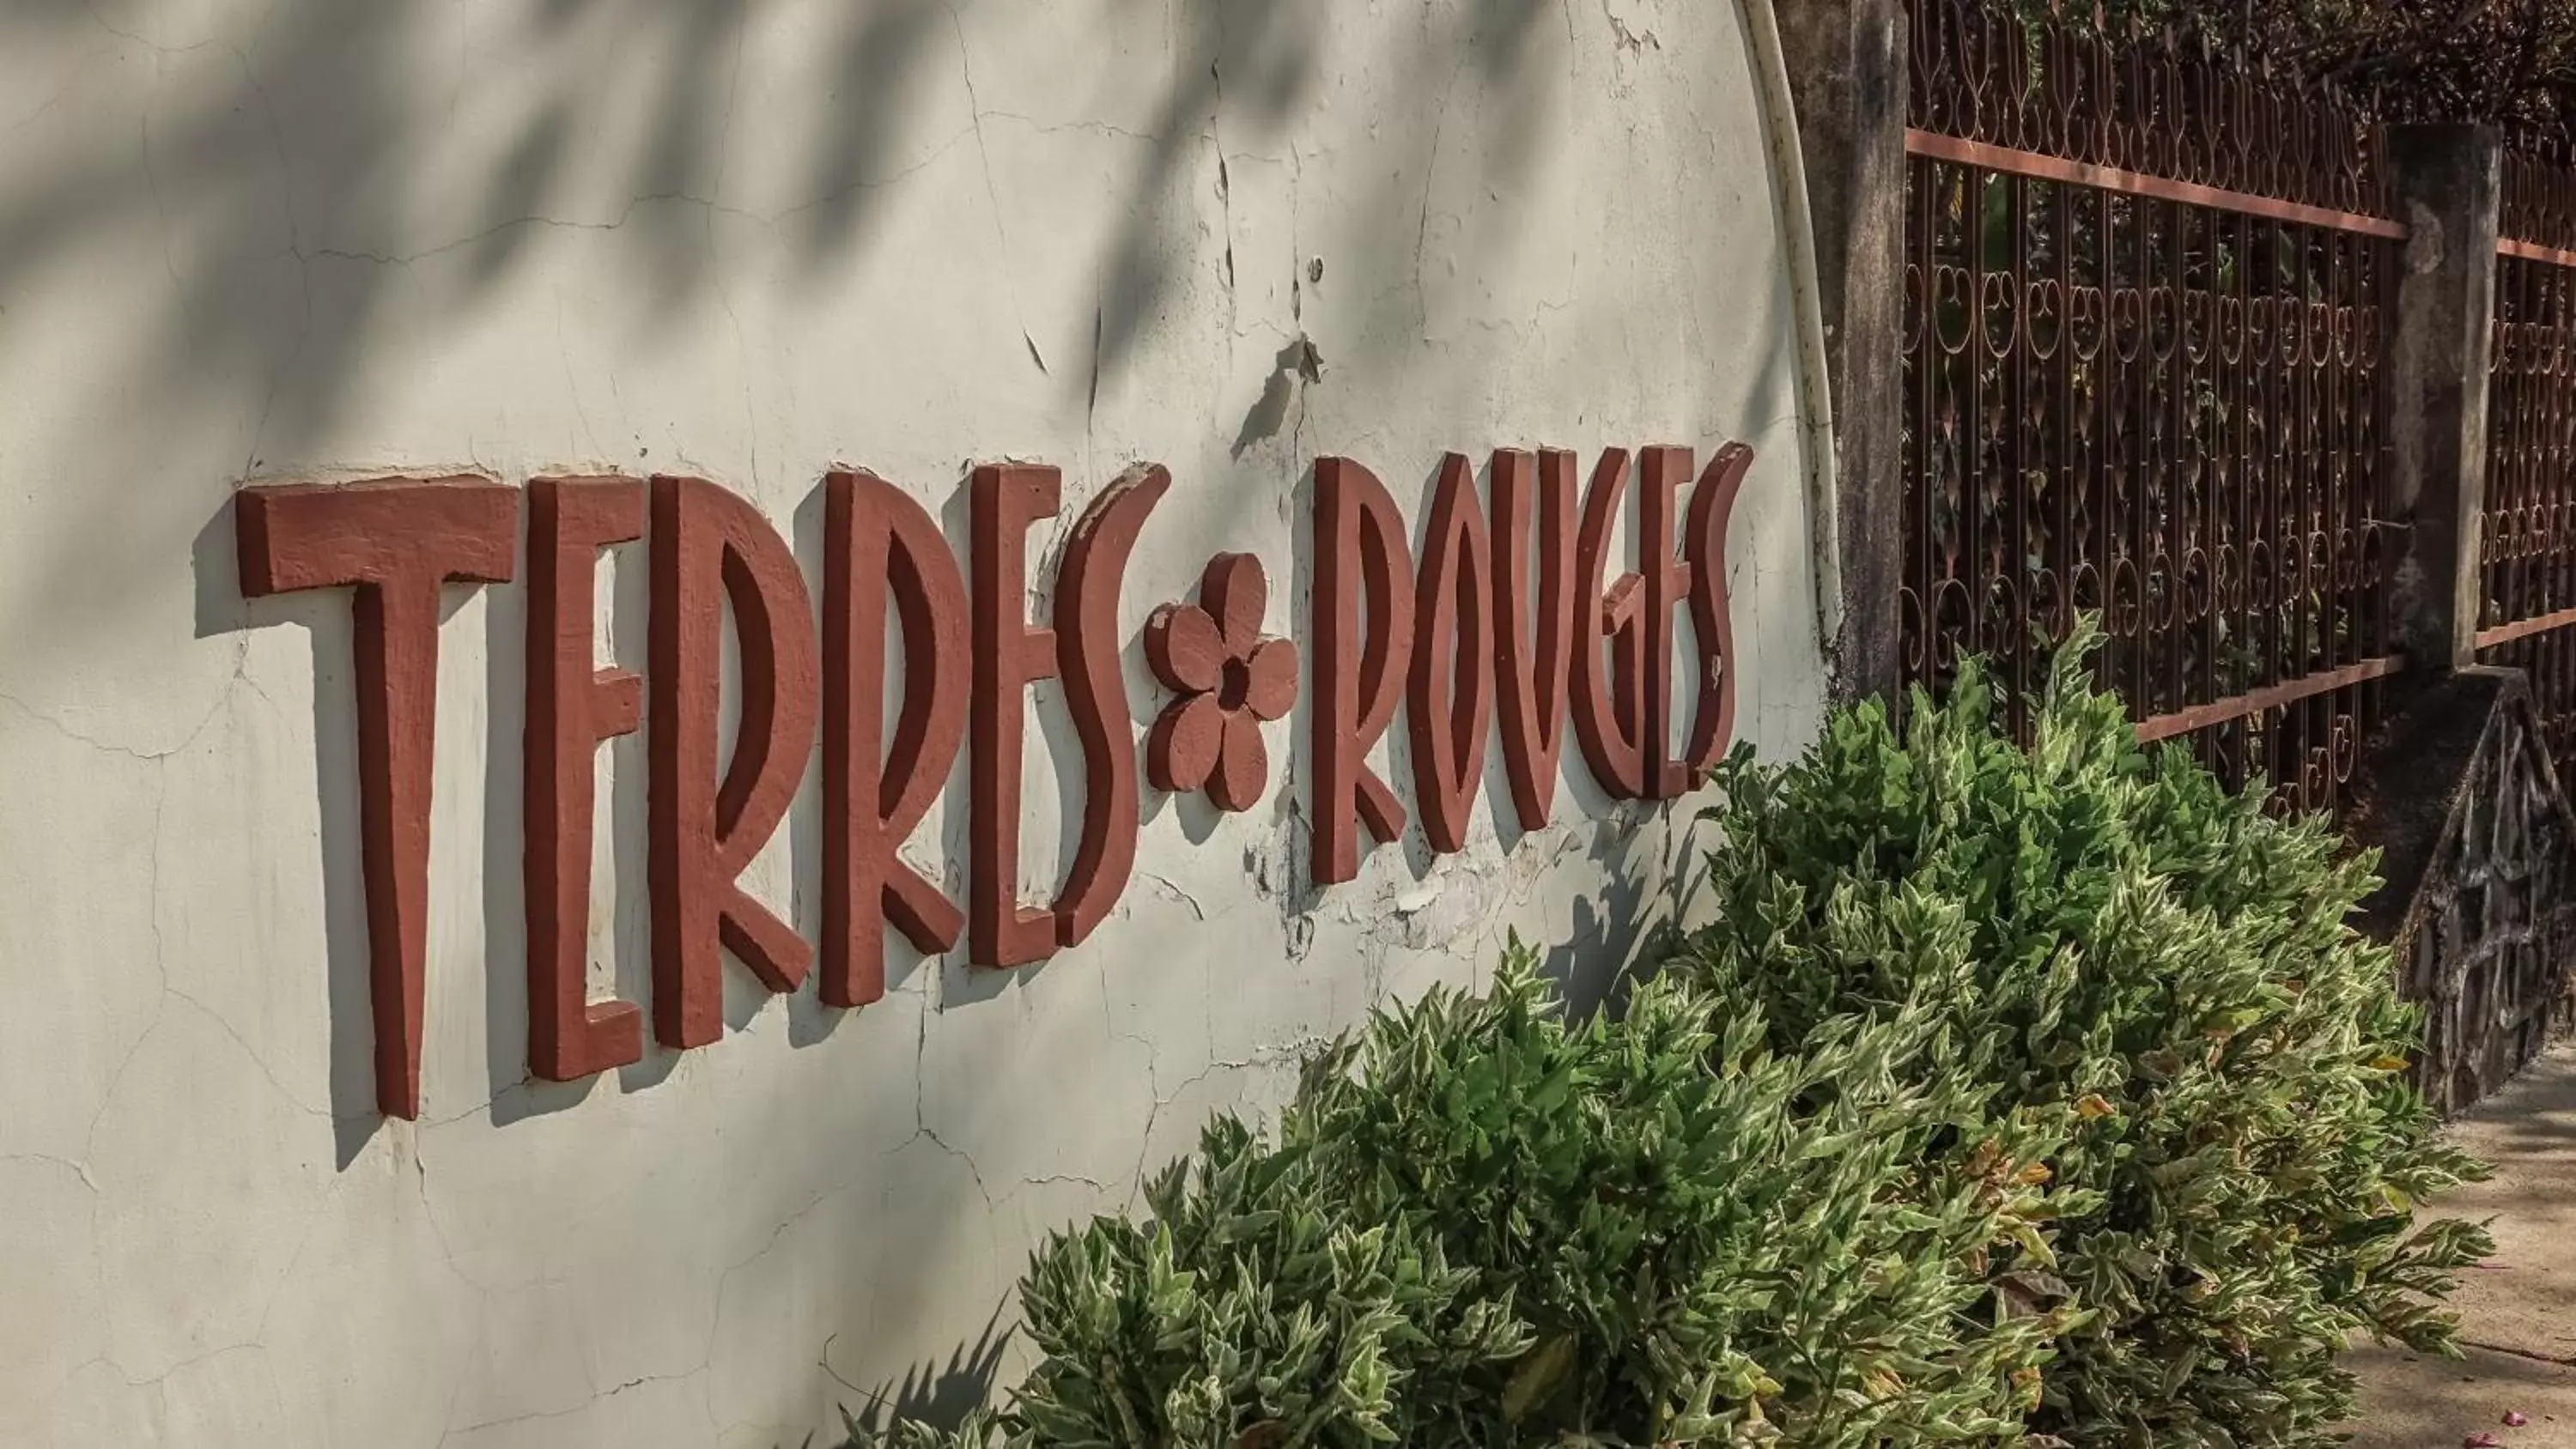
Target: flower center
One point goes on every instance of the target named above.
(1234, 684)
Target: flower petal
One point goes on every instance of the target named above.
(1182, 749)
(1185, 647)
(1273, 667)
(1235, 593)
(1242, 767)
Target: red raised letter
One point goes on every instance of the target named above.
(710, 546)
(1704, 548)
(1605, 701)
(1533, 671)
(1626, 725)
(878, 540)
(1087, 644)
(397, 540)
(573, 704)
(1453, 649)
(1008, 655)
(1359, 548)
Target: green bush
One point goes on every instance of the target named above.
(1482, 1226)
(2014, 1098)
(2510, 63)
(2111, 938)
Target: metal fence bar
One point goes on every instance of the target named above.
(2271, 697)
(2524, 628)
(2038, 166)
(2534, 252)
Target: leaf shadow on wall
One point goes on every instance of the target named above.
(303, 184)
(933, 1393)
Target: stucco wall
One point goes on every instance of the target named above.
(321, 239)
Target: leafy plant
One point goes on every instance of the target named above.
(1482, 1226)
(2506, 62)
(2121, 952)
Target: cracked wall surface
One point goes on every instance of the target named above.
(290, 239)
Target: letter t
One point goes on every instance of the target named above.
(396, 541)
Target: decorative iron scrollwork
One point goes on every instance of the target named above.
(2487, 931)
(2140, 99)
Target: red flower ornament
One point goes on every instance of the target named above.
(1230, 680)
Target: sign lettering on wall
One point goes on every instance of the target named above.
(1513, 611)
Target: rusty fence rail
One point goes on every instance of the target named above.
(2141, 370)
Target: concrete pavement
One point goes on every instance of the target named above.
(2518, 1311)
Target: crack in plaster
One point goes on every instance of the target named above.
(1292, 1052)
(481, 1343)
(1045, 128)
(160, 967)
(160, 1381)
(310, 1218)
(76, 1169)
(935, 155)
(1635, 42)
(572, 386)
(152, 870)
(715, 259)
(768, 221)
(972, 1170)
(1296, 314)
(446, 1248)
(294, 241)
(1172, 891)
(1109, 1024)
(92, 10)
(1430, 175)
(161, 214)
(251, 460)
(1224, 189)
(71, 82)
(627, 214)
(921, 1057)
(992, 192)
(585, 1407)
(266, 1073)
(223, 700)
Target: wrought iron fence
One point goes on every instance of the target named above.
(2527, 536)
(2145, 289)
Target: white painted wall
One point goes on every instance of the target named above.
(247, 239)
